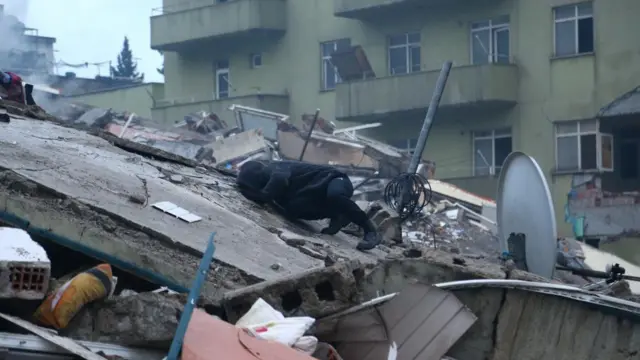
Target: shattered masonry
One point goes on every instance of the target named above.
(96, 197)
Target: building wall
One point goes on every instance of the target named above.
(550, 89)
(137, 99)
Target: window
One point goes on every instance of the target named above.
(330, 76)
(256, 60)
(405, 145)
(580, 146)
(222, 79)
(404, 53)
(573, 29)
(490, 41)
(490, 149)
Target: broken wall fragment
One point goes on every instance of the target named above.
(316, 293)
(25, 268)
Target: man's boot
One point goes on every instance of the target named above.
(371, 238)
(370, 241)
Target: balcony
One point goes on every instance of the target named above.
(169, 111)
(469, 89)
(199, 24)
(380, 9)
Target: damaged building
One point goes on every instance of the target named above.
(605, 204)
(92, 187)
(503, 94)
(23, 49)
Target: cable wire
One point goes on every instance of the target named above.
(407, 194)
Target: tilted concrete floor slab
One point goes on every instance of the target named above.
(80, 187)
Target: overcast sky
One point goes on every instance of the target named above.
(92, 30)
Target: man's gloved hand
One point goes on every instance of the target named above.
(370, 241)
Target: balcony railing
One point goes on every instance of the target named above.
(473, 86)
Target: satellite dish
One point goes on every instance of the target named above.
(524, 206)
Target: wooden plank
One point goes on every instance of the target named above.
(408, 298)
(417, 316)
(63, 342)
(440, 326)
(448, 336)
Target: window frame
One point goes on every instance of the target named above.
(325, 60)
(495, 134)
(253, 60)
(493, 26)
(407, 45)
(223, 70)
(575, 18)
(599, 151)
(579, 133)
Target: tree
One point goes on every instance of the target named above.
(126, 67)
(161, 69)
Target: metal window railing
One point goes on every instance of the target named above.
(185, 5)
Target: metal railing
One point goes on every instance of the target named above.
(185, 5)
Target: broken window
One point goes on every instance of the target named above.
(404, 53)
(405, 145)
(574, 29)
(490, 149)
(329, 74)
(579, 146)
(256, 60)
(605, 146)
(490, 41)
(222, 79)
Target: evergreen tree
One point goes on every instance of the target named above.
(126, 66)
(161, 69)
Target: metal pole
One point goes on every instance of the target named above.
(194, 294)
(405, 194)
(306, 141)
(431, 113)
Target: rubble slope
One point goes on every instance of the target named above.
(96, 197)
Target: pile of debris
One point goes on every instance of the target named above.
(207, 139)
(146, 212)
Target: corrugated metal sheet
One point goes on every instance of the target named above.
(627, 104)
(424, 323)
(65, 343)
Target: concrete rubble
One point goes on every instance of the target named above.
(514, 324)
(87, 179)
(126, 320)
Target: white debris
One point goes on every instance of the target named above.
(17, 246)
(452, 214)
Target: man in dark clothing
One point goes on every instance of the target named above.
(307, 192)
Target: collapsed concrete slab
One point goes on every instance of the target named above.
(83, 192)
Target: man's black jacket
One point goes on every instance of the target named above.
(281, 181)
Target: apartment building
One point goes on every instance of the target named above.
(553, 78)
(23, 49)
